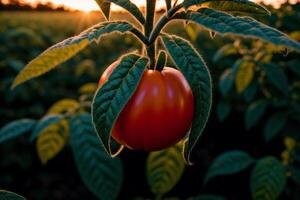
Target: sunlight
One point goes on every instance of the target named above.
(89, 5)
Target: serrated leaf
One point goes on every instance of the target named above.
(15, 129)
(63, 106)
(164, 169)
(66, 49)
(236, 7)
(225, 51)
(233, 6)
(104, 7)
(244, 75)
(274, 125)
(295, 175)
(223, 110)
(193, 67)
(131, 8)
(52, 140)
(227, 24)
(268, 179)
(254, 113)
(45, 122)
(208, 197)
(229, 163)
(6, 195)
(277, 77)
(101, 174)
(112, 97)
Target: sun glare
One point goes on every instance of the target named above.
(89, 5)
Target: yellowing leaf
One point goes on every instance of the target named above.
(66, 49)
(63, 106)
(52, 140)
(49, 60)
(88, 88)
(244, 76)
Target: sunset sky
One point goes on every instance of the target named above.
(88, 5)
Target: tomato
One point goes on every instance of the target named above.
(158, 115)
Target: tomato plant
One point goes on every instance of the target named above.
(141, 103)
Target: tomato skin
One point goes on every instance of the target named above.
(158, 115)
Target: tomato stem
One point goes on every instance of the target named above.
(148, 27)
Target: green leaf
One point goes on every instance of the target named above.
(274, 125)
(254, 113)
(293, 65)
(193, 67)
(66, 49)
(229, 163)
(208, 197)
(104, 7)
(234, 6)
(244, 75)
(277, 77)
(227, 24)
(251, 91)
(223, 110)
(6, 195)
(112, 97)
(164, 169)
(227, 78)
(102, 175)
(44, 123)
(268, 179)
(295, 175)
(131, 8)
(226, 50)
(15, 129)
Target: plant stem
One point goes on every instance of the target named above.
(148, 29)
(163, 21)
(140, 36)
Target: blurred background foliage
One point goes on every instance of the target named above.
(253, 129)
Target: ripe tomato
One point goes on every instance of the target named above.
(159, 113)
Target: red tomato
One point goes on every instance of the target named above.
(158, 115)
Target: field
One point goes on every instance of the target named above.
(255, 111)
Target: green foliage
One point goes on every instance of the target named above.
(295, 175)
(66, 49)
(277, 77)
(268, 179)
(131, 8)
(112, 97)
(102, 175)
(45, 122)
(193, 67)
(6, 195)
(164, 169)
(236, 6)
(223, 110)
(229, 163)
(227, 24)
(104, 7)
(208, 197)
(254, 113)
(15, 129)
(274, 125)
(244, 75)
(226, 50)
